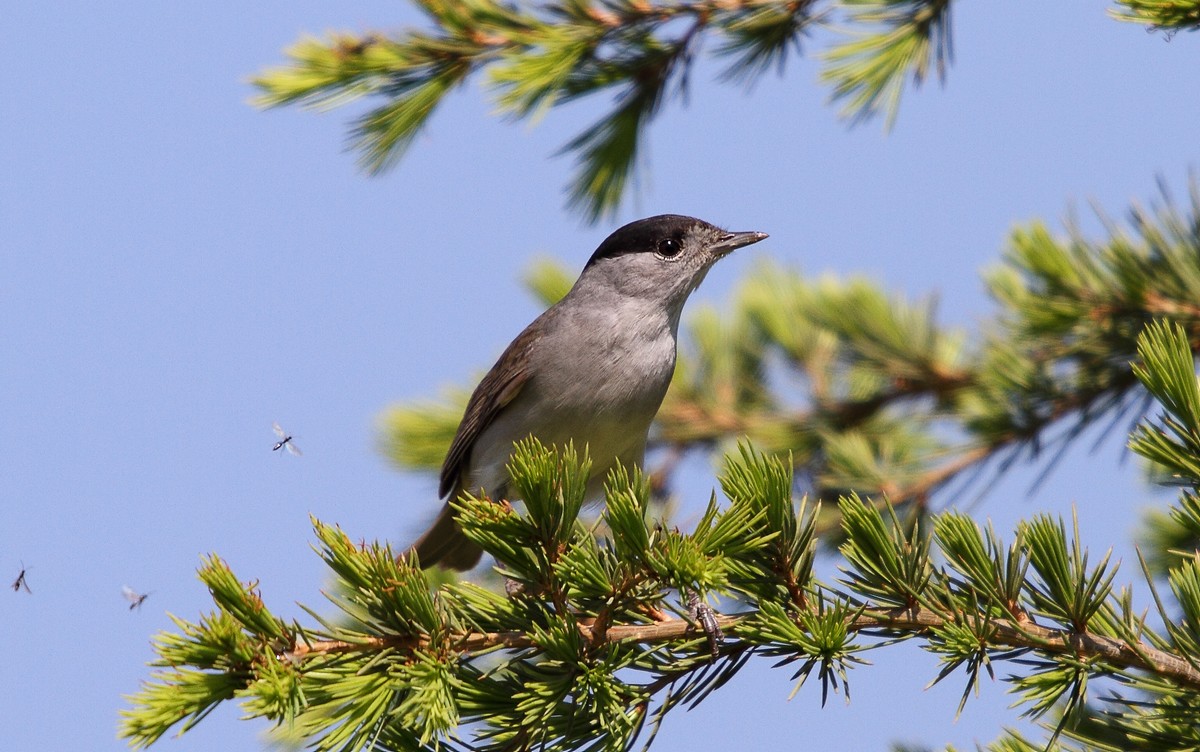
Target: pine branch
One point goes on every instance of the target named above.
(536, 57)
(904, 38)
(1084, 646)
(1169, 16)
(663, 631)
(1103, 653)
(914, 620)
(539, 56)
(553, 662)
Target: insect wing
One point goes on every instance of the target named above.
(135, 598)
(285, 441)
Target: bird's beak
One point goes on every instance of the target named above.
(733, 240)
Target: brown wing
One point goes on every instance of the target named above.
(498, 388)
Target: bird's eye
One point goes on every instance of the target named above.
(669, 248)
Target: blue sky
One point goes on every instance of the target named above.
(178, 269)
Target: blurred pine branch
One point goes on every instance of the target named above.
(1167, 16)
(536, 56)
(868, 392)
(533, 57)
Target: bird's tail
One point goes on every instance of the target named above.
(444, 544)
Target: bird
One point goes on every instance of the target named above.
(591, 370)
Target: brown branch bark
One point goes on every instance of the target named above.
(1006, 634)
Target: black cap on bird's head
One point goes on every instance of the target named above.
(665, 235)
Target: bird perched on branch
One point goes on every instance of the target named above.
(593, 369)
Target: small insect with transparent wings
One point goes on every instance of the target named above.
(285, 441)
(135, 598)
(21, 582)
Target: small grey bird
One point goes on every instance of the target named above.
(593, 369)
